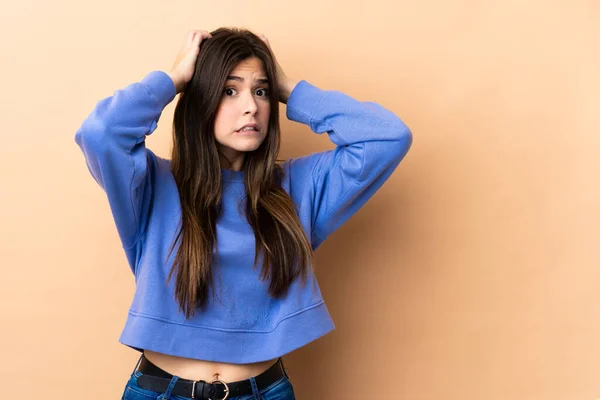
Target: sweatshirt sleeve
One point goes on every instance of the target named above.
(112, 139)
(370, 143)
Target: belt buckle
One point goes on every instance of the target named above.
(194, 389)
(226, 389)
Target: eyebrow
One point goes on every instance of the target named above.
(240, 79)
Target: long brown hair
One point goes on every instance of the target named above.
(280, 237)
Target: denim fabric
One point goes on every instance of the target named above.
(280, 390)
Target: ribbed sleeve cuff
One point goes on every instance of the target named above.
(161, 86)
(302, 102)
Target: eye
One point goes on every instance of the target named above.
(229, 91)
(264, 92)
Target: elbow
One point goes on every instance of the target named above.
(403, 139)
(91, 137)
(81, 137)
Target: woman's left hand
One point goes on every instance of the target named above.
(286, 85)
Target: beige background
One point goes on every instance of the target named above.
(474, 273)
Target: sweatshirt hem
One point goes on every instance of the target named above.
(215, 344)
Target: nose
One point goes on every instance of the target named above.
(250, 105)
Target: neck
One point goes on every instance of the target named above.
(234, 165)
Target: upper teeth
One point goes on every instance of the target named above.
(248, 128)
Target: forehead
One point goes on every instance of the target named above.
(250, 67)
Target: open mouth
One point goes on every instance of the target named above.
(249, 130)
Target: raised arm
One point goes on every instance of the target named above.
(112, 138)
(370, 143)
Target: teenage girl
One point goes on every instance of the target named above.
(220, 237)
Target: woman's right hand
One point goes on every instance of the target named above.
(185, 63)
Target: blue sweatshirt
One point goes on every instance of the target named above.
(242, 323)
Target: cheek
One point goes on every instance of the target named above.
(265, 112)
(223, 120)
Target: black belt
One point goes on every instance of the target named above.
(157, 380)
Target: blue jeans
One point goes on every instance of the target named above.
(279, 390)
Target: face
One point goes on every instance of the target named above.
(244, 101)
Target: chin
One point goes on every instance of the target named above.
(244, 149)
(249, 146)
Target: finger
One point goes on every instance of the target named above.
(199, 38)
(205, 34)
(190, 38)
(264, 39)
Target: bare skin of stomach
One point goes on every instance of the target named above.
(200, 370)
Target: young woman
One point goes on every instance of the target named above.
(220, 237)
